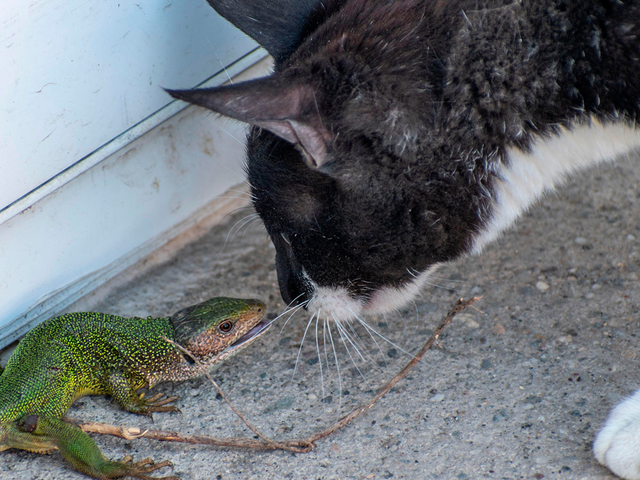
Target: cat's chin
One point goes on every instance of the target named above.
(336, 303)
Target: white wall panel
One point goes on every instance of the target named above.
(76, 74)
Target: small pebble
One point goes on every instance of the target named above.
(472, 323)
(499, 329)
(542, 286)
(581, 240)
(631, 238)
(486, 364)
(437, 398)
(476, 290)
(468, 320)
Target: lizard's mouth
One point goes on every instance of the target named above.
(252, 334)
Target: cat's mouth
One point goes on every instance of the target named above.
(337, 303)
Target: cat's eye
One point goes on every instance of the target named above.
(285, 237)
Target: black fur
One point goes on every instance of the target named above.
(377, 140)
(279, 26)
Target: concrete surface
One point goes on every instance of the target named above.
(517, 390)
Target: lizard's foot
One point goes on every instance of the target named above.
(141, 468)
(157, 403)
(82, 452)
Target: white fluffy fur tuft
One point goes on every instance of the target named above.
(617, 444)
(336, 303)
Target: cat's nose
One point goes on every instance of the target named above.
(290, 279)
(292, 287)
(293, 293)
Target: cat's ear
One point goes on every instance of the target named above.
(277, 25)
(289, 111)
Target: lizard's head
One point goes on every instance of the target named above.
(220, 327)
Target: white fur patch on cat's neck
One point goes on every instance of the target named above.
(550, 161)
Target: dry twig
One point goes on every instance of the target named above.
(300, 446)
(130, 433)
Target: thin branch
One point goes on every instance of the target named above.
(299, 446)
(131, 433)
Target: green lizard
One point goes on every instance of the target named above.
(80, 354)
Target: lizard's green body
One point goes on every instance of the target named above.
(80, 354)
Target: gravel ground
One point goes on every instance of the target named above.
(517, 390)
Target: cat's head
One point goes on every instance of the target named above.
(349, 172)
(357, 219)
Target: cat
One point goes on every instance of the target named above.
(395, 136)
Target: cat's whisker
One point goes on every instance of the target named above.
(220, 61)
(357, 339)
(324, 340)
(293, 312)
(367, 358)
(248, 225)
(231, 135)
(319, 359)
(345, 336)
(233, 197)
(415, 274)
(444, 287)
(236, 195)
(234, 211)
(242, 222)
(346, 340)
(372, 337)
(290, 308)
(412, 273)
(369, 328)
(295, 368)
(242, 193)
(236, 226)
(444, 279)
(335, 356)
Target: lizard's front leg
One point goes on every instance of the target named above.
(83, 453)
(121, 390)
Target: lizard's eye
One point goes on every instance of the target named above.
(226, 326)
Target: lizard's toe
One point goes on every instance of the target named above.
(141, 468)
